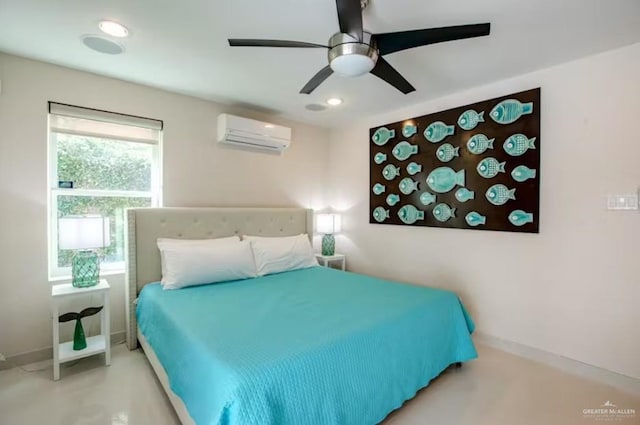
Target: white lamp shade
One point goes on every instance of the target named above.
(352, 65)
(328, 223)
(83, 232)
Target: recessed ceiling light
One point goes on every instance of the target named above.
(315, 107)
(113, 28)
(334, 101)
(102, 44)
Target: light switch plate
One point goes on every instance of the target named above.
(622, 202)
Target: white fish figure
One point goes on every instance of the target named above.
(523, 173)
(409, 214)
(490, 167)
(469, 119)
(443, 212)
(437, 131)
(518, 144)
(380, 214)
(380, 158)
(382, 136)
(520, 218)
(444, 179)
(510, 110)
(447, 152)
(407, 186)
(379, 189)
(499, 194)
(479, 143)
(390, 172)
(427, 198)
(475, 219)
(414, 168)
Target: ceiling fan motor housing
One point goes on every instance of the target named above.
(350, 56)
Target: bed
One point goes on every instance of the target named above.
(310, 346)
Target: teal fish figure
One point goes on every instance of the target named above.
(380, 214)
(392, 199)
(475, 219)
(427, 198)
(413, 168)
(390, 172)
(523, 173)
(404, 150)
(518, 144)
(409, 130)
(443, 212)
(382, 136)
(463, 194)
(443, 179)
(469, 119)
(380, 158)
(499, 194)
(479, 143)
(520, 218)
(407, 186)
(437, 131)
(447, 152)
(490, 167)
(379, 189)
(510, 110)
(410, 214)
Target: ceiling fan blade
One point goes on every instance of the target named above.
(241, 42)
(317, 79)
(385, 71)
(350, 17)
(396, 41)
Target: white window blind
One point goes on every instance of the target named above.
(80, 121)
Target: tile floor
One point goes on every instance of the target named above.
(497, 389)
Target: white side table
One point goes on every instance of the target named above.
(325, 260)
(95, 344)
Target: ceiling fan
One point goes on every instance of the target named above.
(354, 52)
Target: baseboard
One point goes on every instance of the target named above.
(574, 367)
(46, 354)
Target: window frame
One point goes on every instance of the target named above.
(55, 272)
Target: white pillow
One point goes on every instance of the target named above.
(196, 265)
(166, 243)
(281, 254)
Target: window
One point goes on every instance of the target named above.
(99, 163)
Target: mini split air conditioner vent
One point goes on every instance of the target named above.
(252, 134)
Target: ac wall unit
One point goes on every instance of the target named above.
(252, 134)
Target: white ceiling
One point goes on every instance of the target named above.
(182, 45)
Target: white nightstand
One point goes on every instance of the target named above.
(325, 260)
(95, 344)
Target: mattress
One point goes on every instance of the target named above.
(313, 346)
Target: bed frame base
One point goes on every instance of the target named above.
(176, 402)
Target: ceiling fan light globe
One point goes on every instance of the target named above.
(351, 57)
(352, 65)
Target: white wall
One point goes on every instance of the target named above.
(197, 172)
(574, 288)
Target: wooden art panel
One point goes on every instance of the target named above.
(472, 167)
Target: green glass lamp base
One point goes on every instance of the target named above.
(328, 245)
(79, 339)
(85, 269)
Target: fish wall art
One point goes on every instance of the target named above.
(473, 167)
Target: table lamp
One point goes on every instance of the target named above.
(329, 224)
(84, 234)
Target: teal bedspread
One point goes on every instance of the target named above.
(313, 346)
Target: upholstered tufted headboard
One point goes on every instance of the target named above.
(146, 225)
